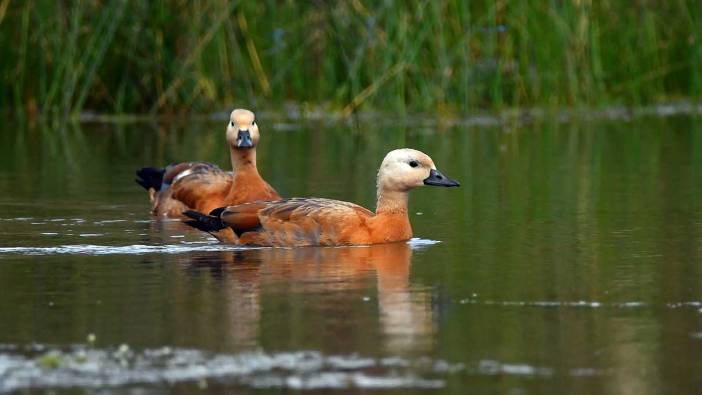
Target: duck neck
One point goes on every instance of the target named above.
(392, 202)
(244, 160)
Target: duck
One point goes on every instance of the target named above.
(203, 186)
(297, 222)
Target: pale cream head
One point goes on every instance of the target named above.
(404, 169)
(242, 130)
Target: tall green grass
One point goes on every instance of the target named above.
(118, 56)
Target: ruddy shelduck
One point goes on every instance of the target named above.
(327, 222)
(203, 186)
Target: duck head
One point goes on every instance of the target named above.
(405, 169)
(242, 130)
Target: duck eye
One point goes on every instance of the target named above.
(232, 123)
(253, 123)
(413, 163)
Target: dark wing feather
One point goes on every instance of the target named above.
(150, 177)
(243, 217)
(206, 223)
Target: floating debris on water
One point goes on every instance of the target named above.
(51, 360)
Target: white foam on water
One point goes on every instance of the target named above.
(418, 243)
(135, 249)
(138, 249)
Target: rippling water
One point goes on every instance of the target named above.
(570, 260)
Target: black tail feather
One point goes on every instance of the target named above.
(205, 223)
(150, 177)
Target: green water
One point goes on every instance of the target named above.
(569, 260)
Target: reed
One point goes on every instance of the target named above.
(116, 56)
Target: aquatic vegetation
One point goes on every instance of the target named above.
(113, 56)
(51, 360)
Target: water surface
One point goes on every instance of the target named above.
(569, 258)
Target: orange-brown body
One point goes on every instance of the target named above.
(313, 221)
(207, 188)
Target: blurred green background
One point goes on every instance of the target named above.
(451, 56)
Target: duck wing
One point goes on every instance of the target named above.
(200, 186)
(296, 221)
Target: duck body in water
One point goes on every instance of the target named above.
(203, 186)
(327, 222)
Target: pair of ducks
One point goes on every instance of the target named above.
(244, 209)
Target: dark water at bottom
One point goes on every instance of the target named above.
(570, 260)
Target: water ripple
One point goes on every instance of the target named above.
(577, 304)
(139, 249)
(135, 249)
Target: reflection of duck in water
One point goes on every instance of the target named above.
(337, 279)
(315, 221)
(203, 186)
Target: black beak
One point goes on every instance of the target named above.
(244, 139)
(437, 179)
